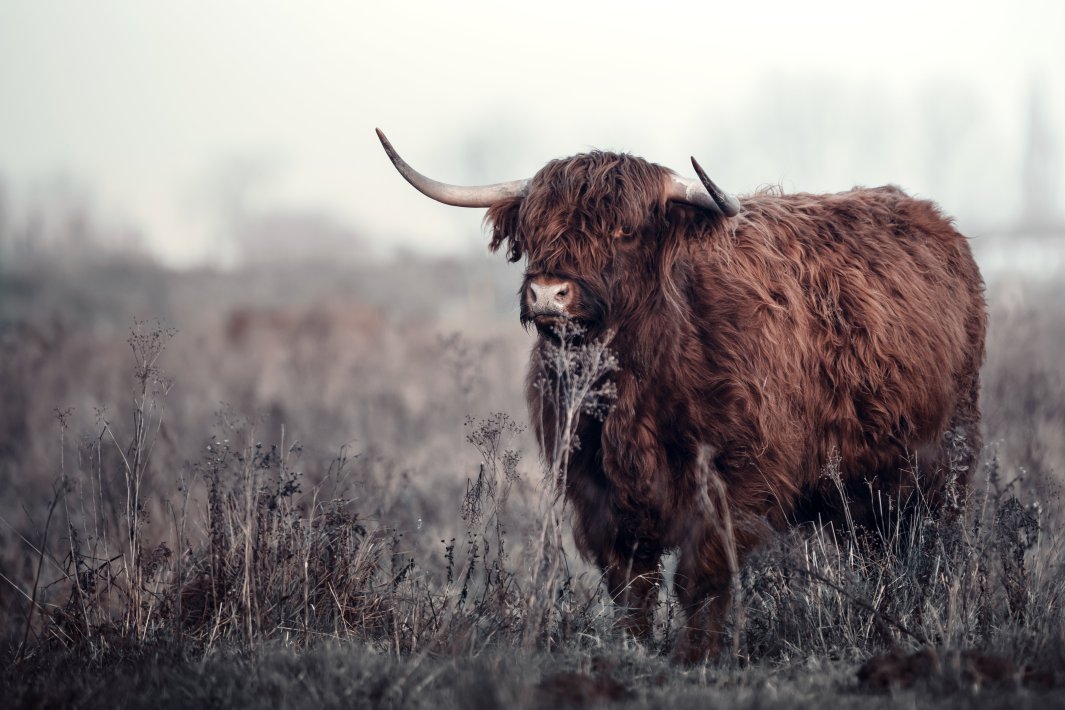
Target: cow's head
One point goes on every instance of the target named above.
(595, 230)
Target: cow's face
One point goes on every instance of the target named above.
(598, 231)
(590, 228)
(548, 300)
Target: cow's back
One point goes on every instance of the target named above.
(845, 327)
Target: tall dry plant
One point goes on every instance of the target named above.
(575, 383)
(249, 552)
(943, 578)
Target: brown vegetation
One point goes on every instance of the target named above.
(381, 547)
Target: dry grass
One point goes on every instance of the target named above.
(407, 548)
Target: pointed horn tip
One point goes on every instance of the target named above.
(384, 141)
(695, 164)
(729, 205)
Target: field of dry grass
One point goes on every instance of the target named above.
(312, 486)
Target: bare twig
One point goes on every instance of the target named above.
(37, 579)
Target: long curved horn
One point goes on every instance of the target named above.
(703, 194)
(457, 195)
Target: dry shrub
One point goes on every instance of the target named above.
(961, 581)
(245, 554)
(257, 538)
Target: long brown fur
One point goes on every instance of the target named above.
(837, 331)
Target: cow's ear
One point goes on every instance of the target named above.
(503, 219)
(685, 223)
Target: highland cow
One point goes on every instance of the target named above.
(760, 342)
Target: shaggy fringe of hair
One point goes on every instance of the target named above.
(808, 329)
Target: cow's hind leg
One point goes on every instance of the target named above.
(942, 471)
(948, 472)
(964, 442)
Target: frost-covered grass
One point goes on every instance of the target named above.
(332, 499)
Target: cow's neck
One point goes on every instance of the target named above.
(649, 341)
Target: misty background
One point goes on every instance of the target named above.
(257, 394)
(201, 182)
(222, 134)
(209, 173)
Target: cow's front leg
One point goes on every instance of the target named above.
(631, 568)
(634, 577)
(705, 600)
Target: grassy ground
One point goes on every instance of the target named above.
(350, 675)
(315, 488)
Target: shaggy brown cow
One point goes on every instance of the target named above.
(759, 342)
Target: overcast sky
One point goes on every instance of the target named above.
(150, 104)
